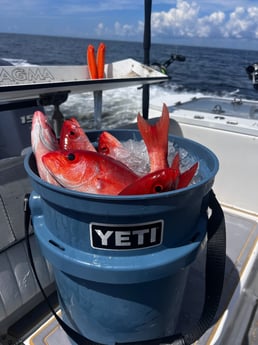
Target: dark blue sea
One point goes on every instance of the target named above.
(208, 71)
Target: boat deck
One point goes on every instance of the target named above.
(236, 321)
(222, 107)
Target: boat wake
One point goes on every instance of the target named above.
(16, 62)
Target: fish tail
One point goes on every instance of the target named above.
(101, 59)
(155, 136)
(91, 60)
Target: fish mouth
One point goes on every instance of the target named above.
(57, 166)
(61, 181)
(46, 143)
(42, 129)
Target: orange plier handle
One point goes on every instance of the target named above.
(96, 65)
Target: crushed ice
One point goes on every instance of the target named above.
(134, 154)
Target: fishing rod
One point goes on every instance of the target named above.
(162, 67)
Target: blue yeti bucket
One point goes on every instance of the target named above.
(121, 262)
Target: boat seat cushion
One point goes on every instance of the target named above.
(14, 184)
(19, 292)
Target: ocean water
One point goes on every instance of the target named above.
(208, 71)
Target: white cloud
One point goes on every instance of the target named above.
(211, 25)
(186, 20)
(100, 29)
(127, 30)
(179, 21)
(242, 23)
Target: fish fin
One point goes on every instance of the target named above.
(186, 177)
(175, 163)
(175, 167)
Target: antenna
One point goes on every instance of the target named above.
(146, 47)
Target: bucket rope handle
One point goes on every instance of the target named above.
(215, 271)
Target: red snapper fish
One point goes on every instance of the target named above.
(156, 139)
(162, 180)
(73, 137)
(158, 181)
(128, 153)
(108, 144)
(43, 140)
(88, 171)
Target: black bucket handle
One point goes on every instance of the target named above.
(214, 279)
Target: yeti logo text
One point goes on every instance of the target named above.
(19, 75)
(124, 237)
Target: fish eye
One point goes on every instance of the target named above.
(72, 133)
(158, 189)
(104, 149)
(71, 156)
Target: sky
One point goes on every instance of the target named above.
(218, 23)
